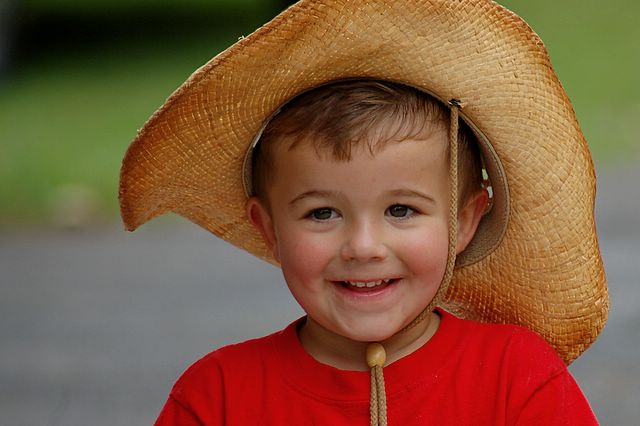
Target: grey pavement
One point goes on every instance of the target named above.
(96, 325)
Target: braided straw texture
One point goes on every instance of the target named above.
(546, 272)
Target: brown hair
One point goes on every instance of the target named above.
(337, 117)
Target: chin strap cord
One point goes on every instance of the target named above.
(456, 105)
(376, 355)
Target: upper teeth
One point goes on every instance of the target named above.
(361, 284)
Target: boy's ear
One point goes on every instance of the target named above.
(260, 217)
(469, 217)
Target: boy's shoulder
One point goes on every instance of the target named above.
(201, 394)
(242, 359)
(500, 344)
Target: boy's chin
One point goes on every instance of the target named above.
(373, 332)
(386, 330)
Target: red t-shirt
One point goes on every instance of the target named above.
(467, 374)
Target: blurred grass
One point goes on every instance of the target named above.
(594, 48)
(66, 118)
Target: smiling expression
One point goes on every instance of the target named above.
(362, 243)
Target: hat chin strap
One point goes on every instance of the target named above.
(376, 355)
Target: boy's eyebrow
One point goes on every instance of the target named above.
(316, 194)
(336, 194)
(412, 193)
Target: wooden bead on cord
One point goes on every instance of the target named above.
(376, 355)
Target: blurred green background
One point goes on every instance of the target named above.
(77, 78)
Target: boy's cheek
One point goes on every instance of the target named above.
(303, 254)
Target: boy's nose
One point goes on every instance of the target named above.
(364, 243)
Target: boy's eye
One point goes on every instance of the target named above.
(324, 213)
(399, 211)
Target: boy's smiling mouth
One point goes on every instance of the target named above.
(367, 285)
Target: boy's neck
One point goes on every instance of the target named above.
(343, 353)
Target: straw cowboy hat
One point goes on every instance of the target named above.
(535, 260)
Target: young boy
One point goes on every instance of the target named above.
(345, 141)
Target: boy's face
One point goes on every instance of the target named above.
(362, 244)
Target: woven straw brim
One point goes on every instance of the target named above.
(545, 272)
